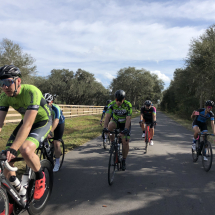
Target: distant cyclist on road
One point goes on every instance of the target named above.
(122, 111)
(57, 128)
(148, 115)
(104, 110)
(199, 123)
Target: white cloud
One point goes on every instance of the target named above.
(97, 32)
(109, 76)
(161, 76)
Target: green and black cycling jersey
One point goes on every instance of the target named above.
(120, 113)
(29, 98)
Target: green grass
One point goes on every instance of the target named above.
(78, 130)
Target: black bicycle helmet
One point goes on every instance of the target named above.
(48, 97)
(108, 102)
(120, 94)
(9, 71)
(209, 103)
(147, 103)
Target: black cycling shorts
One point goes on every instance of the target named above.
(121, 126)
(149, 122)
(58, 132)
(38, 133)
(202, 126)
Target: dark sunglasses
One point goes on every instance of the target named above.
(119, 100)
(6, 82)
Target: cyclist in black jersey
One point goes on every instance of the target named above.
(148, 115)
(33, 128)
(122, 111)
(199, 123)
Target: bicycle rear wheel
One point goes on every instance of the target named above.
(195, 153)
(147, 142)
(62, 148)
(207, 156)
(4, 203)
(36, 207)
(112, 165)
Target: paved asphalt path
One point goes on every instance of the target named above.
(163, 181)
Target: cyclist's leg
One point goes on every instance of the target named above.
(111, 126)
(125, 143)
(58, 134)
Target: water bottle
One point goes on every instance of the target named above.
(18, 186)
(25, 180)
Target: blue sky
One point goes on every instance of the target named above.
(103, 36)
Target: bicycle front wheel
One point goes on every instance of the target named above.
(207, 156)
(4, 203)
(112, 166)
(36, 207)
(105, 140)
(195, 153)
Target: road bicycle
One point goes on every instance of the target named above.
(34, 207)
(203, 148)
(115, 159)
(46, 150)
(147, 135)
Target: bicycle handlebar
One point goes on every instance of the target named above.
(116, 132)
(7, 165)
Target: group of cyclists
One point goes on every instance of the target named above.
(118, 116)
(40, 119)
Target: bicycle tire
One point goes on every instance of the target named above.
(195, 153)
(36, 207)
(147, 142)
(208, 153)
(4, 202)
(112, 166)
(105, 143)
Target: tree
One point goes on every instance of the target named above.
(138, 85)
(12, 54)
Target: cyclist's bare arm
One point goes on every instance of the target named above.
(141, 117)
(212, 126)
(128, 122)
(25, 129)
(193, 114)
(107, 119)
(154, 117)
(2, 118)
(54, 124)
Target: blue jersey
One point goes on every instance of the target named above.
(57, 113)
(202, 117)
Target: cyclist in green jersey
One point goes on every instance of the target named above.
(122, 111)
(35, 125)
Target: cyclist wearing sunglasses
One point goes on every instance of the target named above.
(148, 115)
(35, 124)
(199, 123)
(57, 127)
(122, 111)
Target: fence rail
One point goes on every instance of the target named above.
(69, 111)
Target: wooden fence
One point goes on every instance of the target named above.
(68, 111)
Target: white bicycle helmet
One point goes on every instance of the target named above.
(48, 97)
